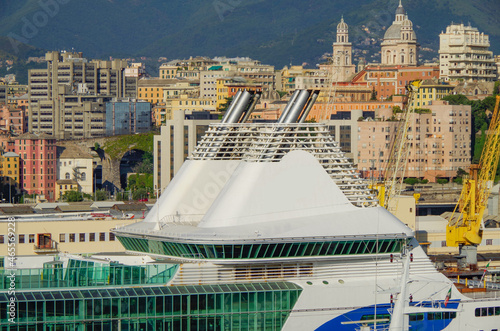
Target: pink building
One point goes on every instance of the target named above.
(13, 119)
(440, 143)
(37, 153)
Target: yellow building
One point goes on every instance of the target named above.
(157, 91)
(159, 114)
(9, 172)
(168, 71)
(65, 185)
(188, 104)
(227, 87)
(431, 90)
(288, 76)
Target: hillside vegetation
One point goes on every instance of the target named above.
(276, 32)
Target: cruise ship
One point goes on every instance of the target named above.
(266, 226)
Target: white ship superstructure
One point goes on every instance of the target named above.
(265, 227)
(281, 202)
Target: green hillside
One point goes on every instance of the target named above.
(276, 32)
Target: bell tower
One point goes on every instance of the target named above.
(342, 54)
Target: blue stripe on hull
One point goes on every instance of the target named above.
(420, 322)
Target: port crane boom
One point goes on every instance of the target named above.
(398, 159)
(465, 231)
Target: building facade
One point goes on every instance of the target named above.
(72, 81)
(127, 117)
(38, 163)
(464, 54)
(440, 142)
(76, 165)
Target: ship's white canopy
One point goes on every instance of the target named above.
(238, 199)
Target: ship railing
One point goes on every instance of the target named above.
(479, 284)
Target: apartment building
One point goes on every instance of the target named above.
(440, 142)
(179, 136)
(71, 81)
(38, 163)
(464, 54)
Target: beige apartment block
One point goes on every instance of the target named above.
(66, 98)
(464, 54)
(440, 142)
(36, 237)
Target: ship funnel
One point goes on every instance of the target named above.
(240, 105)
(288, 106)
(309, 105)
(231, 107)
(251, 107)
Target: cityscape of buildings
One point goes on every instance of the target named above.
(76, 98)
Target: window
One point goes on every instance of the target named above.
(102, 236)
(62, 237)
(21, 239)
(84, 176)
(67, 175)
(71, 237)
(489, 241)
(91, 236)
(111, 236)
(31, 239)
(82, 237)
(2, 240)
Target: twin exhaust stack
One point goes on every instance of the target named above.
(296, 110)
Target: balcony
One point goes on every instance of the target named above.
(48, 247)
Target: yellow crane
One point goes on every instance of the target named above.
(398, 158)
(465, 230)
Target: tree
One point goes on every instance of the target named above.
(146, 165)
(441, 180)
(73, 196)
(460, 176)
(224, 106)
(101, 195)
(374, 95)
(396, 109)
(139, 194)
(411, 181)
(457, 99)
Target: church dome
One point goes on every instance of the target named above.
(342, 25)
(394, 32)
